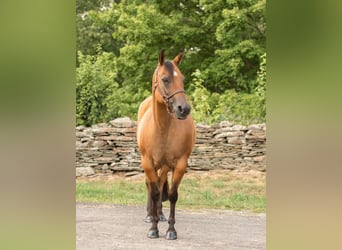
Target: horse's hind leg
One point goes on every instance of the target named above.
(163, 197)
(177, 176)
(163, 189)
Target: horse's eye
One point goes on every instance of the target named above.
(165, 80)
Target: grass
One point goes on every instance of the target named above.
(197, 191)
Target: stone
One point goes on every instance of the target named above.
(111, 147)
(230, 134)
(222, 130)
(202, 125)
(115, 138)
(104, 159)
(98, 143)
(105, 167)
(256, 134)
(235, 140)
(254, 126)
(259, 158)
(239, 127)
(81, 127)
(85, 171)
(224, 124)
(230, 166)
(99, 125)
(204, 148)
(131, 173)
(124, 122)
(262, 168)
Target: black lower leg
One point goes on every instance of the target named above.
(171, 233)
(155, 194)
(148, 218)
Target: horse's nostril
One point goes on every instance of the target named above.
(180, 109)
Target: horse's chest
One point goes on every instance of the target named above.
(163, 155)
(165, 148)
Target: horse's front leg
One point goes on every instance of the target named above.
(154, 194)
(177, 176)
(160, 213)
(148, 218)
(163, 190)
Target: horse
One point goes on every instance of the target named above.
(165, 136)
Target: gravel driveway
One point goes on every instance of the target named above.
(109, 227)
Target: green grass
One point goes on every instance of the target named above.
(195, 192)
(119, 192)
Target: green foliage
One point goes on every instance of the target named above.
(85, 5)
(94, 28)
(225, 57)
(98, 95)
(200, 99)
(241, 33)
(241, 108)
(260, 89)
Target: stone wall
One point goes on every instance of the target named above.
(111, 147)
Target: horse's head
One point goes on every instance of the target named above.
(168, 80)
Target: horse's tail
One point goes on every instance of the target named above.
(165, 194)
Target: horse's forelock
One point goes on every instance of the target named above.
(170, 68)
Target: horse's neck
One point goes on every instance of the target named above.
(162, 118)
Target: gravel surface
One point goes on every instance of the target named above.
(109, 227)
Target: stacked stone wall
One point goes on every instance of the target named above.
(111, 147)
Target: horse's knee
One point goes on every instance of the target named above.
(173, 195)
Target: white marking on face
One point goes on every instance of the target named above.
(175, 73)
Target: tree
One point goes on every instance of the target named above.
(96, 21)
(241, 34)
(224, 43)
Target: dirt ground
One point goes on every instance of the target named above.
(112, 227)
(255, 176)
(101, 226)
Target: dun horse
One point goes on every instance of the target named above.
(165, 136)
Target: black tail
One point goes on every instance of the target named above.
(165, 195)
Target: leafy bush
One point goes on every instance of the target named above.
(99, 98)
(224, 41)
(239, 108)
(260, 89)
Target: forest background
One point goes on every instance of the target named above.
(224, 66)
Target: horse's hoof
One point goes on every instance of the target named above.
(153, 233)
(171, 235)
(162, 218)
(148, 219)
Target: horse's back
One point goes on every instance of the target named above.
(144, 106)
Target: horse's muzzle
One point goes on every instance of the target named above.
(182, 111)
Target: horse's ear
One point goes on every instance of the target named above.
(178, 59)
(161, 57)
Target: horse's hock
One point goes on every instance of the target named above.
(111, 147)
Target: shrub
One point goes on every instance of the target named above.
(239, 108)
